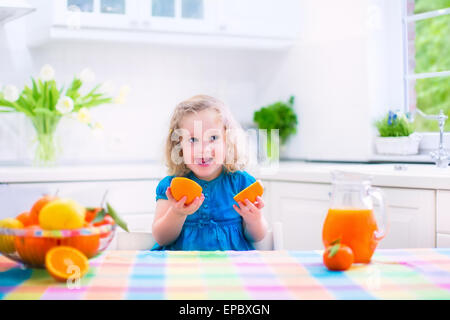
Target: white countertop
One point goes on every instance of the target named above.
(422, 176)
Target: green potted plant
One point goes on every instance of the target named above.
(279, 115)
(396, 135)
(45, 104)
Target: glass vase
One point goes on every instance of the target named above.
(47, 149)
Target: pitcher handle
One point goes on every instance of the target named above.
(382, 221)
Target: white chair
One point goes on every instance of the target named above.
(273, 239)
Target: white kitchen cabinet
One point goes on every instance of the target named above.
(443, 240)
(443, 211)
(443, 218)
(412, 215)
(259, 18)
(301, 209)
(76, 14)
(257, 24)
(127, 197)
(185, 16)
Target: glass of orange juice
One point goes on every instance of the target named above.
(351, 217)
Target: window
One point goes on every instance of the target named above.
(113, 6)
(192, 9)
(163, 8)
(81, 5)
(427, 59)
(185, 9)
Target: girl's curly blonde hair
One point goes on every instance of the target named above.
(234, 135)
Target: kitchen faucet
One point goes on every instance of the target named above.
(441, 157)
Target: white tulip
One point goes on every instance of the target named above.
(64, 105)
(47, 73)
(401, 115)
(98, 126)
(11, 93)
(86, 75)
(125, 90)
(84, 115)
(107, 88)
(123, 94)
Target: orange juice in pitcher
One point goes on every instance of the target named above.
(351, 218)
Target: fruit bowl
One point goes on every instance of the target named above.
(30, 245)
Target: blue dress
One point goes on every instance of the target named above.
(215, 225)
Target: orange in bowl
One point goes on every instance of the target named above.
(37, 206)
(25, 218)
(181, 187)
(64, 263)
(250, 193)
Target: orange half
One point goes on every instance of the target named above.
(250, 193)
(65, 262)
(181, 187)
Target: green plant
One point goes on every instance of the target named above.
(45, 104)
(279, 115)
(394, 124)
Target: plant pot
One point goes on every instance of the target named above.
(398, 145)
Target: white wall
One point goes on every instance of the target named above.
(346, 70)
(159, 78)
(341, 70)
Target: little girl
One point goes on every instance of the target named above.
(202, 146)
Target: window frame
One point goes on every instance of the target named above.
(407, 75)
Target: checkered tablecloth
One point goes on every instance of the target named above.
(393, 274)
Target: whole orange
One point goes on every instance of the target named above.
(24, 217)
(37, 206)
(338, 257)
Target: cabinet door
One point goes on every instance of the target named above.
(76, 14)
(301, 209)
(443, 240)
(259, 18)
(177, 15)
(443, 211)
(412, 216)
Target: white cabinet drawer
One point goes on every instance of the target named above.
(443, 211)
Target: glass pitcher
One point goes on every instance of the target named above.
(351, 217)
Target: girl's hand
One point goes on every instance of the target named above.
(250, 212)
(182, 209)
